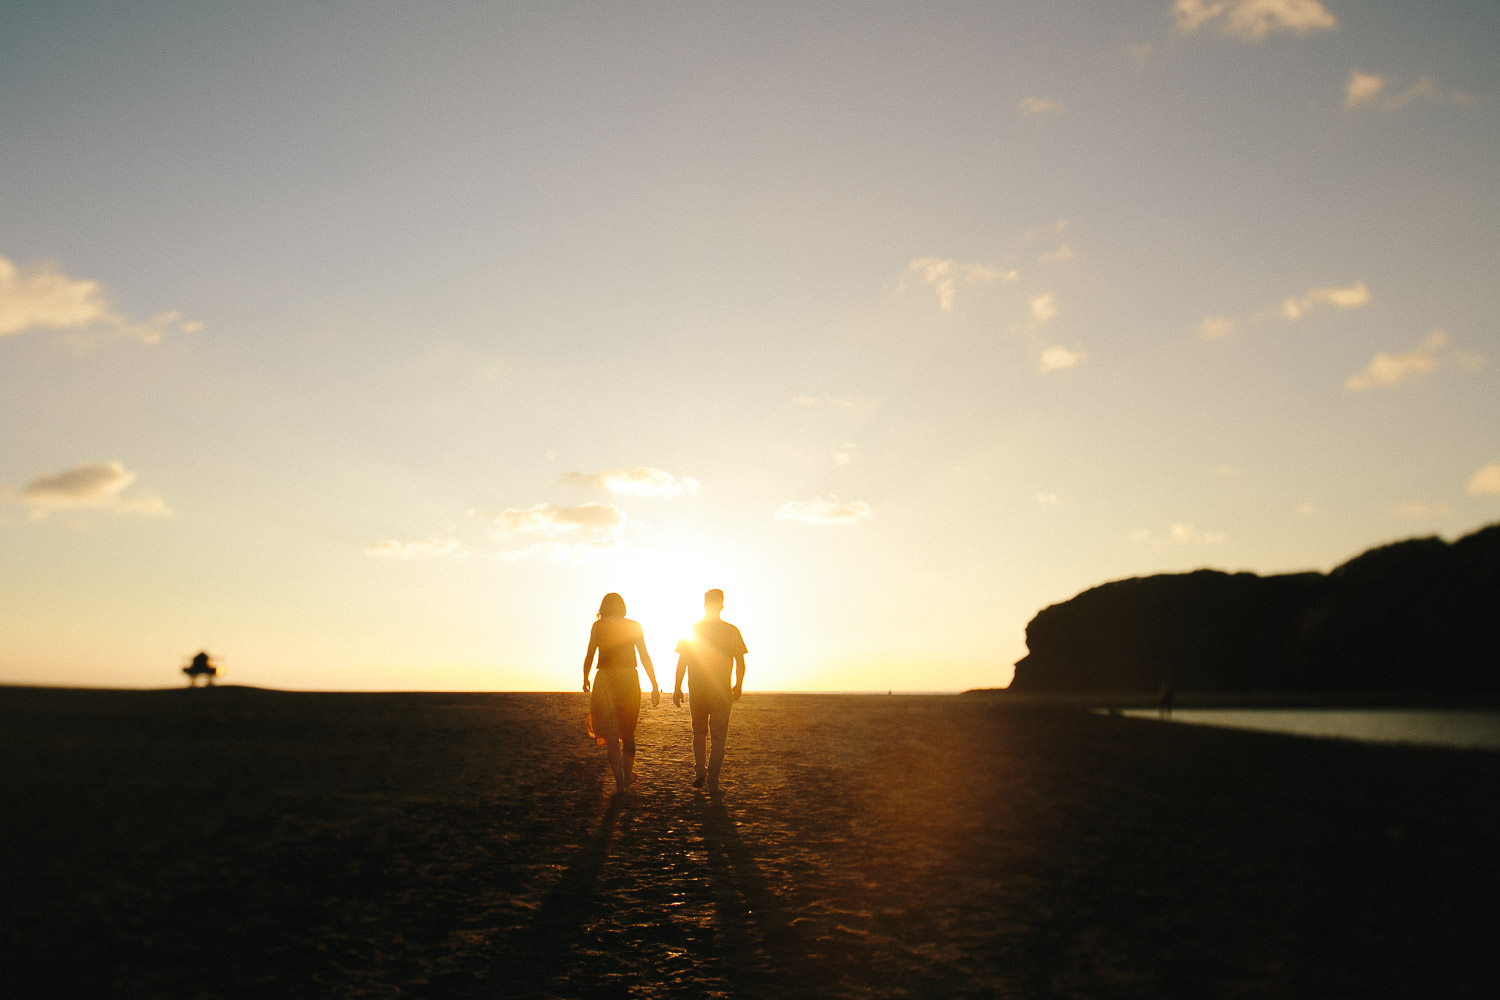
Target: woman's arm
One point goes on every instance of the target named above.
(588, 657)
(640, 644)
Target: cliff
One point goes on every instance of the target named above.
(1419, 616)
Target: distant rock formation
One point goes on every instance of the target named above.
(1419, 616)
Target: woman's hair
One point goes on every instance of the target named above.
(613, 606)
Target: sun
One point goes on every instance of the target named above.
(663, 590)
(663, 584)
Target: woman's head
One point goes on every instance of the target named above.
(613, 606)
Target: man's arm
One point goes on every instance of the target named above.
(739, 675)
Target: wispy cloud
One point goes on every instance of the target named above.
(426, 548)
(1253, 20)
(596, 522)
(1041, 105)
(845, 454)
(1215, 327)
(1178, 534)
(1291, 309)
(637, 481)
(943, 276)
(1056, 358)
(1389, 370)
(1041, 308)
(1047, 499)
(1425, 91)
(1035, 233)
(1486, 480)
(985, 274)
(1419, 509)
(824, 511)
(1352, 297)
(1063, 252)
(938, 274)
(43, 298)
(90, 486)
(1362, 88)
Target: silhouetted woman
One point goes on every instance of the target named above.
(615, 704)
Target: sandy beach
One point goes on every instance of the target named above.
(237, 842)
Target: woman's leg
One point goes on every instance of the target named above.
(627, 740)
(612, 749)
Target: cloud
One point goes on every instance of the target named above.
(1047, 499)
(1041, 105)
(1352, 297)
(938, 274)
(1419, 509)
(824, 511)
(1042, 308)
(1178, 534)
(984, 274)
(1253, 20)
(1486, 480)
(596, 521)
(426, 548)
(1306, 510)
(1057, 358)
(1388, 370)
(1291, 309)
(92, 485)
(1185, 533)
(1036, 232)
(943, 275)
(845, 455)
(1227, 471)
(41, 297)
(1428, 92)
(639, 481)
(1063, 252)
(1215, 327)
(1362, 88)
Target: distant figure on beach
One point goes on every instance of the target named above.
(1164, 699)
(707, 658)
(203, 666)
(615, 701)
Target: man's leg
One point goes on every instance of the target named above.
(699, 707)
(718, 725)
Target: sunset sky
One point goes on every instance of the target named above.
(367, 345)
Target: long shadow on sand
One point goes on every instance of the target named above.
(763, 953)
(544, 950)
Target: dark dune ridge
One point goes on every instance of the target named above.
(236, 842)
(1414, 618)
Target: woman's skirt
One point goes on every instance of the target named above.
(615, 704)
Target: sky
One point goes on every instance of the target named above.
(366, 345)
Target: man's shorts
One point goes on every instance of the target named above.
(710, 706)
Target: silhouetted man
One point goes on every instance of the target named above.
(707, 658)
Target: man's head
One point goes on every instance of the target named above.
(713, 600)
